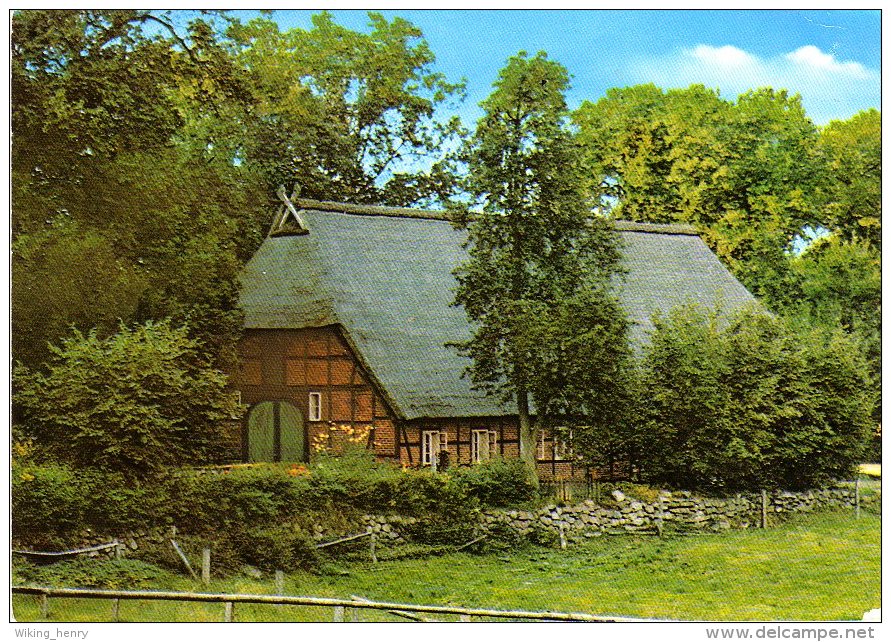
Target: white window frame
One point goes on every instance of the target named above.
(478, 454)
(315, 406)
(433, 442)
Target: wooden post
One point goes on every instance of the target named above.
(354, 614)
(857, 497)
(562, 534)
(373, 539)
(763, 508)
(338, 614)
(279, 582)
(118, 550)
(229, 613)
(115, 610)
(205, 566)
(44, 607)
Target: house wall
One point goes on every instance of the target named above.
(287, 365)
(458, 436)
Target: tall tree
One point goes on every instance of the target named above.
(115, 217)
(348, 115)
(535, 252)
(746, 173)
(853, 191)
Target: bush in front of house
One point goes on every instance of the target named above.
(203, 501)
(750, 404)
(138, 402)
(49, 502)
(498, 482)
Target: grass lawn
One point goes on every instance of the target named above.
(817, 567)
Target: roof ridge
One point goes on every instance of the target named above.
(656, 228)
(443, 215)
(372, 210)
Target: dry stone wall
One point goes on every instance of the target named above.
(670, 512)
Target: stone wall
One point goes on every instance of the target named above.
(617, 514)
(670, 512)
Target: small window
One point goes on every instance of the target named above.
(555, 448)
(433, 442)
(315, 406)
(482, 445)
(563, 446)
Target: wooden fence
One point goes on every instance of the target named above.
(339, 606)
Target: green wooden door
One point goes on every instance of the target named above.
(275, 432)
(290, 423)
(261, 432)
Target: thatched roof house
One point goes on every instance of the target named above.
(348, 313)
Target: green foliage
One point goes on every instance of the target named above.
(535, 252)
(497, 482)
(279, 547)
(748, 404)
(853, 190)
(119, 574)
(46, 501)
(138, 402)
(347, 114)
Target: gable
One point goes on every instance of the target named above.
(387, 280)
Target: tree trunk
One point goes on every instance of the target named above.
(527, 433)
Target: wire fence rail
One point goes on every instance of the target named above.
(229, 600)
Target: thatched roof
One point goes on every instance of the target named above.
(385, 276)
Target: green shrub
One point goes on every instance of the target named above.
(48, 501)
(207, 502)
(497, 482)
(750, 404)
(138, 402)
(93, 573)
(279, 547)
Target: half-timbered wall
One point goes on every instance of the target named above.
(288, 365)
(459, 435)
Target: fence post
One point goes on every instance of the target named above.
(229, 613)
(857, 497)
(115, 610)
(562, 534)
(205, 565)
(338, 614)
(373, 539)
(279, 582)
(763, 508)
(118, 550)
(44, 607)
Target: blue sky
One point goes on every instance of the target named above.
(832, 58)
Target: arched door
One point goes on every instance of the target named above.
(275, 432)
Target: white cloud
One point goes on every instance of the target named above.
(830, 88)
